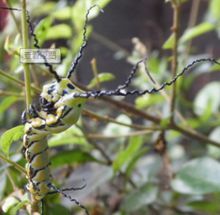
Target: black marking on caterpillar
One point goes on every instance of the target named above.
(66, 113)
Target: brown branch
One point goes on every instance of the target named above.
(109, 119)
(157, 120)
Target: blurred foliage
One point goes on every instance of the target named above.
(128, 169)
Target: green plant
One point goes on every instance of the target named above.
(181, 175)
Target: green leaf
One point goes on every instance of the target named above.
(9, 203)
(206, 206)
(197, 31)
(102, 77)
(70, 157)
(81, 7)
(145, 195)
(214, 8)
(55, 209)
(156, 65)
(148, 100)
(215, 67)
(45, 10)
(13, 47)
(198, 176)
(59, 31)
(206, 100)
(126, 155)
(169, 43)
(7, 102)
(42, 28)
(12, 205)
(64, 13)
(114, 129)
(73, 135)
(132, 163)
(8, 137)
(17, 207)
(214, 151)
(164, 123)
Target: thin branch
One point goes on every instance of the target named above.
(165, 95)
(15, 165)
(25, 46)
(17, 81)
(95, 72)
(11, 180)
(109, 119)
(185, 131)
(35, 204)
(11, 78)
(130, 134)
(175, 29)
(9, 93)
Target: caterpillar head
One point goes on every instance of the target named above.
(54, 91)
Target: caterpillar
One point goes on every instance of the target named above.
(51, 118)
(60, 106)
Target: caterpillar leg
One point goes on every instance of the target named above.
(32, 112)
(24, 117)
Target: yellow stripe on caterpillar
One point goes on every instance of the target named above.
(39, 190)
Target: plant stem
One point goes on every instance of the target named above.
(95, 72)
(11, 78)
(175, 29)
(17, 81)
(8, 93)
(131, 134)
(25, 46)
(109, 119)
(15, 165)
(35, 204)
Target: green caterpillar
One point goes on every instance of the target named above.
(50, 119)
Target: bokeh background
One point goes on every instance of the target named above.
(126, 152)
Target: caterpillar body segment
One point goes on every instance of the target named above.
(51, 117)
(36, 154)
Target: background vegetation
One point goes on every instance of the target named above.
(154, 154)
